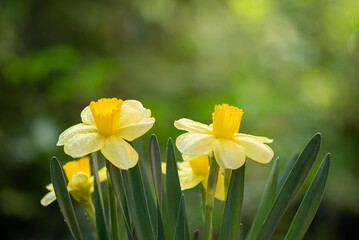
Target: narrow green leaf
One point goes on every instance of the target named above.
(179, 233)
(288, 167)
(290, 187)
(172, 185)
(114, 225)
(196, 234)
(266, 202)
(101, 224)
(118, 187)
(63, 198)
(233, 207)
(137, 203)
(310, 203)
(156, 169)
(160, 235)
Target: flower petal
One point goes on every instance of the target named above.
(119, 152)
(133, 131)
(77, 129)
(194, 143)
(192, 126)
(255, 138)
(186, 176)
(229, 155)
(87, 117)
(257, 151)
(48, 198)
(133, 112)
(83, 144)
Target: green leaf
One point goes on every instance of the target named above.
(118, 187)
(233, 207)
(160, 235)
(266, 202)
(290, 187)
(172, 185)
(196, 234)
(101, 224)
(310, 203)
(180, 225)
(288, 167)
(156, 169)
(137, 203)
(63, 198)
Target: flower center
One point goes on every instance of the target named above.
(200, 165)
(226, 120)
(73, 167)
(106, 113)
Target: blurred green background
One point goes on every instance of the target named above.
(293, 66)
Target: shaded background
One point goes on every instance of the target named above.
(291, 65)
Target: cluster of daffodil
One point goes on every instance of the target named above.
(213, 157)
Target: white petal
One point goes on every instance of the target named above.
(188, 157)
(228, 154)
(77, 129)
(133, 131)
(257, 151)
(119, 152)
(255, 138)
(87, 117)
(83, 144)
(133, 112)
(195, 143)
(192, 126)
(48, 198)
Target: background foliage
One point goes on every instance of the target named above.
(291, 65)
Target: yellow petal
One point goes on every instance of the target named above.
(255, 138)
(133, 112)
(192, 126)
(187, 177)
(48, 198)
(229, 155)
(195, 143)
(133, 131)
(87, 117)
(50, 187)
(77, 129)
(80, 165)
(79, 187)
(257, 151)
(83, 144)
(119, 152)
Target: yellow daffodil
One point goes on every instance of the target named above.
(194, 172)
(106, 124)
(81, 183)
(230, 148)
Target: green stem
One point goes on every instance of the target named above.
(227, 179)
(211, 190)
(203, 197)
(113, 210)
(90, 212)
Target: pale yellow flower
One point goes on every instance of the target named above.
(106, 125)
(229, 147)
(195, 171)
(81, 183)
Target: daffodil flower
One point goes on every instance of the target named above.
(195, 171)
(81, 183)
(106, 125)
(230, 148)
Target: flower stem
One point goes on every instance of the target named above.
(211, 190)
(90, 212)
